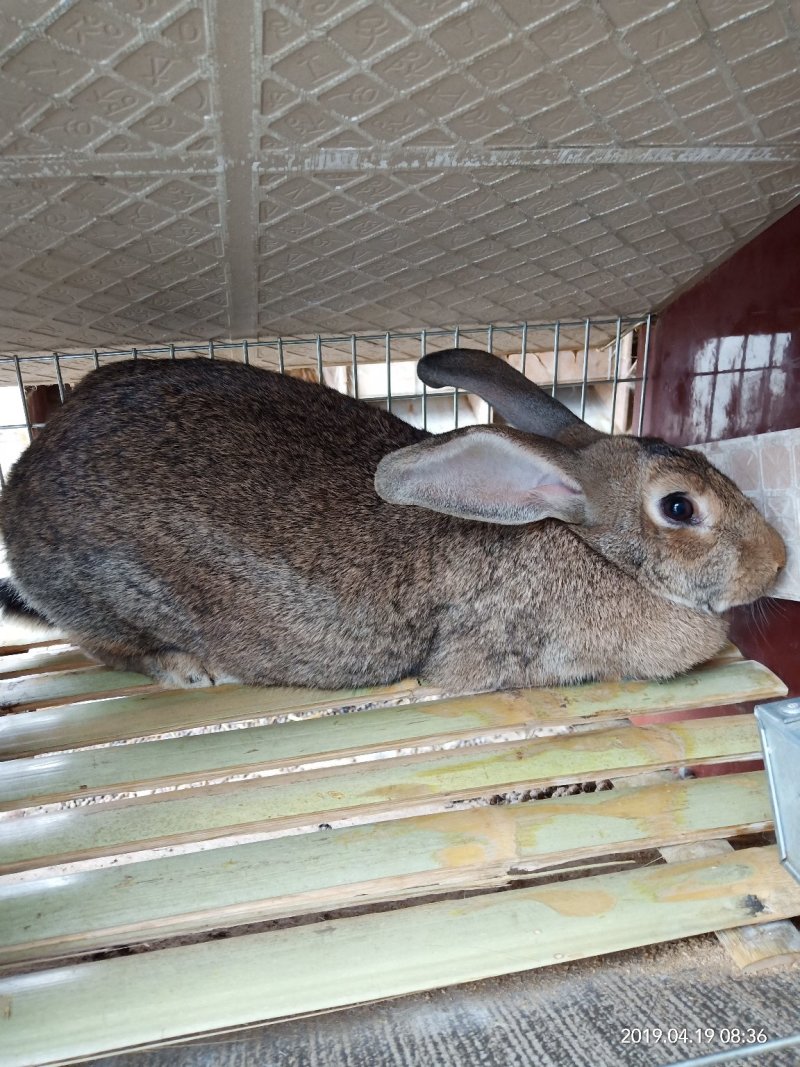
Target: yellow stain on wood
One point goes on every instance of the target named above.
(512, 703)
(468, 854)
(399, 791)
(486, 835)
(578, 902)
(725, 876)
(657, 812)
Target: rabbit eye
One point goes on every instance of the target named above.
(677, 508)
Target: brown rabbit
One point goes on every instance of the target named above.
(201, 520)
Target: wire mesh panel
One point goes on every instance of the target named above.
(597, 367)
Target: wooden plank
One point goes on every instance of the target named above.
(47, 661)
(365, 790)
(761, 948)
(89, 910)
(219, 985)
(752, 948)
(197, 759)
(161, 711)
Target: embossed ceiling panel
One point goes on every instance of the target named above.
(200, 169)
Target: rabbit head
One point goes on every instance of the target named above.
(663, 515)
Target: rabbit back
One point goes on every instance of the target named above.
(223, 511)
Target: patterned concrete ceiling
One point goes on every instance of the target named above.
(174, 169)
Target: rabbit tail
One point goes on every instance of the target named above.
(13, 606)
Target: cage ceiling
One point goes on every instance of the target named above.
(178, 169)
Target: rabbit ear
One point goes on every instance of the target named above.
(487, 474)
(515, 397)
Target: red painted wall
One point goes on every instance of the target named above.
(726, 354)
(726, 363)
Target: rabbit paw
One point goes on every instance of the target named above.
(178, 670)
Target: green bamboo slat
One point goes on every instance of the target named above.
(50, 680)
(36, 662)
(751, 948)
(84, 1010)
(60, 687)
(64, 687)
(89, 910)
(366, 790)
(726, 653)
(29, 781)
(160, 711)
(102, 721)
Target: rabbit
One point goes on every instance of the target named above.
(203, 521)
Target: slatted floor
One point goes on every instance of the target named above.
(243, 806)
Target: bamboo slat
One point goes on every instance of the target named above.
(64, 687)
(20, 660)
(16, 637)
(366, 790)
(727, 653)
(219, 985)
(752, 948)
(160, 711)
(46, 661)
(123, 718)
(29, 781)
(483, 847)
(188, 861)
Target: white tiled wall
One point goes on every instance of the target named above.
(767, 468)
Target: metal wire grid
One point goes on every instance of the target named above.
(285, 354)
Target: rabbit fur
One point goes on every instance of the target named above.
(205, 521)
